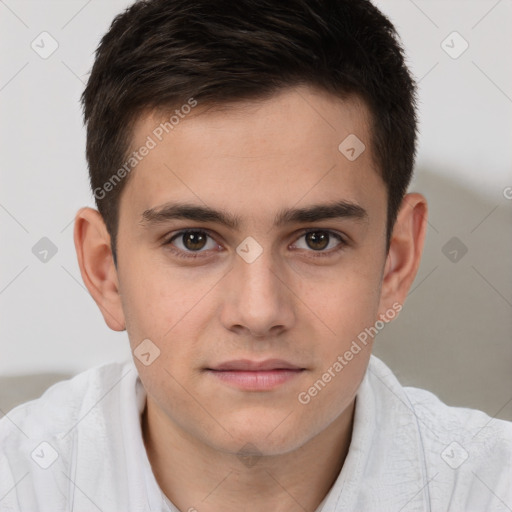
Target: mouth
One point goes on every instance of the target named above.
(256, 375)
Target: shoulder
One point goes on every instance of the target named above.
(466, 454)
(63, 404)
(479, 432)
(40, 439)
(434, 418)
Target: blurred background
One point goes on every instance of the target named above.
(454, 335)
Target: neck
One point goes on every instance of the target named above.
(195, 476)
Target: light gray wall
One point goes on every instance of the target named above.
(454, 334)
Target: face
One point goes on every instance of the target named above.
(247, 308)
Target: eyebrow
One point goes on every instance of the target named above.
(314, 213)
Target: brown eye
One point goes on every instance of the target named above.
(194, 240)
(191, 241)
(317, 240)
(323, 242)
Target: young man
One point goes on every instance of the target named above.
(250, 162)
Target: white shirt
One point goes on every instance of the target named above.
(80, 448)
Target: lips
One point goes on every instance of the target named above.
(247, 375)
(246, 365)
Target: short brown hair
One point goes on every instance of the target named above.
(158, 54)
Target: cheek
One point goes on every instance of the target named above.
(343, 346)
(171, 311)
(344, 304)
(157, 298)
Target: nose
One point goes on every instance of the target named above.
(259, 301)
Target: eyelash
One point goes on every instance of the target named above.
(194, 255)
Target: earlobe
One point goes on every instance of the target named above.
(92, 244)
(406, 248)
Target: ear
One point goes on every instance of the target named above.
(92, 244)
(406, 247)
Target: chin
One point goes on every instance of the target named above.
(259, 440)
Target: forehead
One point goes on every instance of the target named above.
(260, 156)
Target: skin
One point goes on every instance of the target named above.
(252, 160)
